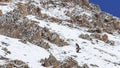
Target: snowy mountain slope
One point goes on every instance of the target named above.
(29, 53)
(101, 54)
(68, 21)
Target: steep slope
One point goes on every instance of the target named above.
(56, 26)
(95, 53)
(14, 49)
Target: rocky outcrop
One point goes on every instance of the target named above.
(15, 64)
(69, 63)
(105, 37)
(117, 25)
(51, 61)
(85, 36)
(98, 36)
(27, 30)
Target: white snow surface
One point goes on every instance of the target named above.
(28, 53)
(6, 7)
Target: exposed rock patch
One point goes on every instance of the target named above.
(27, 30)
(15, 64)
(69, 63)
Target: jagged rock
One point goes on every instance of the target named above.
(57, 40)
(111, 42)
(95, 36)
(10, 65)
(56, 20)
(6, 50)
(15, 64)
(32, 9)
(22, 8)
(105, 37)
(68, 63)
(95, 30)
(49, 62)
(86, 2)
(44, 45)
(117, 25)
(23, 40)
(85, 36)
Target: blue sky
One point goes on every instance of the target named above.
(110, 6)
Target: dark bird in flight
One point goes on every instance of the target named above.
(77, 48)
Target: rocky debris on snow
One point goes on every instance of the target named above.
(3, 58)
(29, 8)
(52, 19)
(111, 42)
(79, 2)
(117, 25)
(94, 65)
(22, 8)
(95, 30)
(69, 63)
(85, 36)
(26, 30)
(49, 61)
(14, 64)
(97, 36)
(98, 19)
(6, 51)
(105, 37)
(3, 43)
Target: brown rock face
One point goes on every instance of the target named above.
(86, 3)
(23, 8)
(51, 61)
(85, 36)
(105, 37)
(15, 64)
(117, 25)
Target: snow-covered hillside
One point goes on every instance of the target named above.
(101, 54)
(32, 31)
(13, 49)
